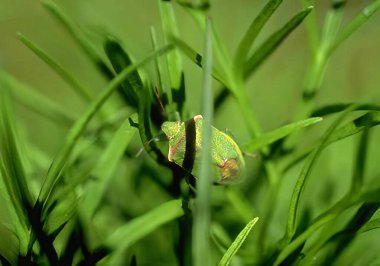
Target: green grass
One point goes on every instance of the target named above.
(96, 201)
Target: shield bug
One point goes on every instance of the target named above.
(185, 145)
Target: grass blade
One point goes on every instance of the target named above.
(120, 60)
(78, 128)
(361, 157)
(197, 59)
(13, 185)
(279, 133)
(235, 246)
(335, 108)
(202, 215)
(342, 239)
(252, 33)
(78, 88)
(371, 225)
(30, 98)
(355, 24)
(138, 228)
(105, 169)
(174, 60)
(271, 44)
(359, 124)
(305, 172)
(76, 32)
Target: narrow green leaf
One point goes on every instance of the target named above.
(197, 59)
(311, 26)
(77, 33)
(252, 33)
(30, 98)
(136, 229)
(78, 88)
(359, 124)
(120, 60)
(316, 71)
(371, 225)
(78, 128)
(360, 160)
(235, 246)
(105, 168)
(271, 44)
(279, 133)
(305, 172)
(341, 240)
(13, 184)
(174, 60)
(202, 214)
(355, 24)
(335, 108)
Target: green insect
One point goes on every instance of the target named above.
(185, 145)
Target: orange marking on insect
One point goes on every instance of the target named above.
(229, 168)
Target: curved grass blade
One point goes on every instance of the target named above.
(202, 214)
(120, 60)
(37, 102)
(13, 185)
(336, 108)
(138, 228)
(341, 240)
(371, 225)
(78, 128)
(105, 168)
(359, 124)
(271, 44)
(263, 52)
(252, 33)
(78, 88)
(235, 246)
(305, 172)
(174, 60)
(355, 24)
(198, 59)
(279, 133)
(76, 32)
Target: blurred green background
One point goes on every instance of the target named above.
(353, 75)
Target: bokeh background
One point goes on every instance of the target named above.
(353, 75)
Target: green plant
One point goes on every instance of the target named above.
(95, 202)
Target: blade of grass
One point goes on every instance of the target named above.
(174, 60)
(128, 234)
(316, 71)
(197, 59)
(359, 124)
(78, 88)
(305, 172)
(311, 26)
(252, 33)
(355, 24)
(78, 128)
(28, 97)
(371, 225)
(202, 214)
(272, 43)
(263, 52)
(120, 60)
(335, 108)
(104, 170)
(279, 133)
(77, 33)
(235, 246)
(359, 165)
(13, 184)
